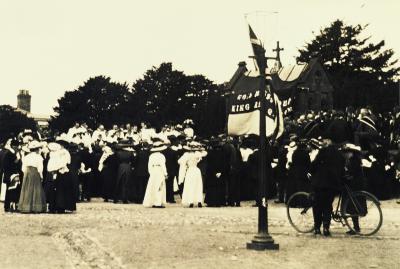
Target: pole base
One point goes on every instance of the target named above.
(262, 242)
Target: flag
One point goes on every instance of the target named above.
(244, 109)
(258, 49)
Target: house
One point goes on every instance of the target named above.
(306, 85)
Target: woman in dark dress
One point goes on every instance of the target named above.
(65, 186)
(74, 166)
(214, 186)
(124, 176)
(141, 172)
(108, 167)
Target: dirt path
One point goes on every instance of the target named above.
(104, 235)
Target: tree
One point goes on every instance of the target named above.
(98, 101)
(165, 95)
(361, 72)
(13, 122)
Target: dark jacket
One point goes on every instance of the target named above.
(171, 161)
(340, 131)
(327, 169)
(10, 165)
(301, 160)
(141, 163)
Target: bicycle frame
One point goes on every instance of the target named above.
(337, 214)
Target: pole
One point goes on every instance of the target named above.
(262, 240)
(398, 82)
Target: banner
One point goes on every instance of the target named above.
(244, 109)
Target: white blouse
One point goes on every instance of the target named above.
(157, 163)
(33, 159)
(58, 160)
(189, 159)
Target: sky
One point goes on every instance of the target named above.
(52, 46)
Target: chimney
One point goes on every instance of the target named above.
(24, 100)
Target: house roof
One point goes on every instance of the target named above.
(36, 117)
(283, 81)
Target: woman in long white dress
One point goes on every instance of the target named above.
(190, 175)
(155, 195)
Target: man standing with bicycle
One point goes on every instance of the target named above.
(327, 171)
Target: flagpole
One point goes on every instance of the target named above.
(262, 241)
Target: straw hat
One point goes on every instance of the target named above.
(193, 146)
(128, 149)
(53, 146)
(351, 147)
(27, 132)
(34, 145)
(63, 137)
(158, 146)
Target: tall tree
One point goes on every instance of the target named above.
(166, 95)
(98, 101)
(12, 122)
(360, 71)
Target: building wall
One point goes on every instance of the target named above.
(316, 92)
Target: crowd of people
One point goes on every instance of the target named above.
(154, 166)
(124, 164)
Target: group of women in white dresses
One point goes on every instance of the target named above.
(33, 196)
(189, 175)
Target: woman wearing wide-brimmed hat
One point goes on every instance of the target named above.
(124, 183)
(192, 179)
(155, 195)
(60, 182)
(108, 168)
(32, 198)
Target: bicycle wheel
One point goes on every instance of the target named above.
(299, 212)
(362, 213)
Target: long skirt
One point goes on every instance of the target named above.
(65, 197)
(193, 189)
(215, 191)
(49, 186)
(124, 178)
(155, 191)
(32, 198)
(109, 178)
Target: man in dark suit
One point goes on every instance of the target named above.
(339, 130)
(141, 173)
(254, 172)
(214, 186)
(299, 168)
(327, 172)
(232, 165)
(11, 164)
(171, 156)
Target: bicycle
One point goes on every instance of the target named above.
(351, 206)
